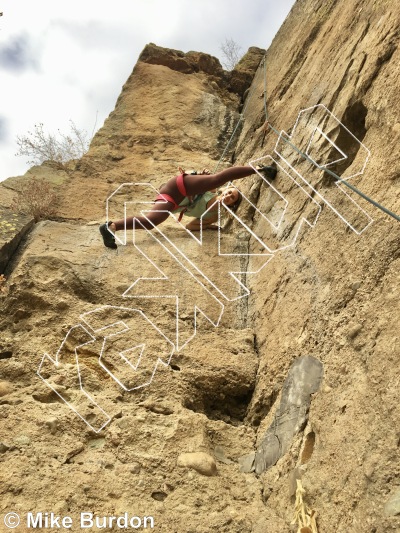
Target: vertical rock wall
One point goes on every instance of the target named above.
(330, 292)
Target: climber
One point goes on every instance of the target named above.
(203, 208)
(174, 191)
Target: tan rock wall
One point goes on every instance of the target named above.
(331, 295)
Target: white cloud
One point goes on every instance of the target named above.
(73, 57)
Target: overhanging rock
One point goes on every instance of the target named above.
(304, 378)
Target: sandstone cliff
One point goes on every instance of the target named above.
(218, 436)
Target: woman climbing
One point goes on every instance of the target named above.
(203, 208)
(174, 191)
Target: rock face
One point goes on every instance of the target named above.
(199, 461)
(156, 366)
(304, 379)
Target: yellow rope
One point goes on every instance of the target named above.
(304, 517)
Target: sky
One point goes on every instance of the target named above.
(63, 61)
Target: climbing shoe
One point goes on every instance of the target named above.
(108, 237)
(267, 171)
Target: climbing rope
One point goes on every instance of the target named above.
(304, 517)
(265, 87)
(229, 142)
(241, 118)
(305, 156)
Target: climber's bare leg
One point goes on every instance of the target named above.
(203, 183)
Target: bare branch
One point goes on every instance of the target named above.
(231, 54)
(41, 146)
(36, 198)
